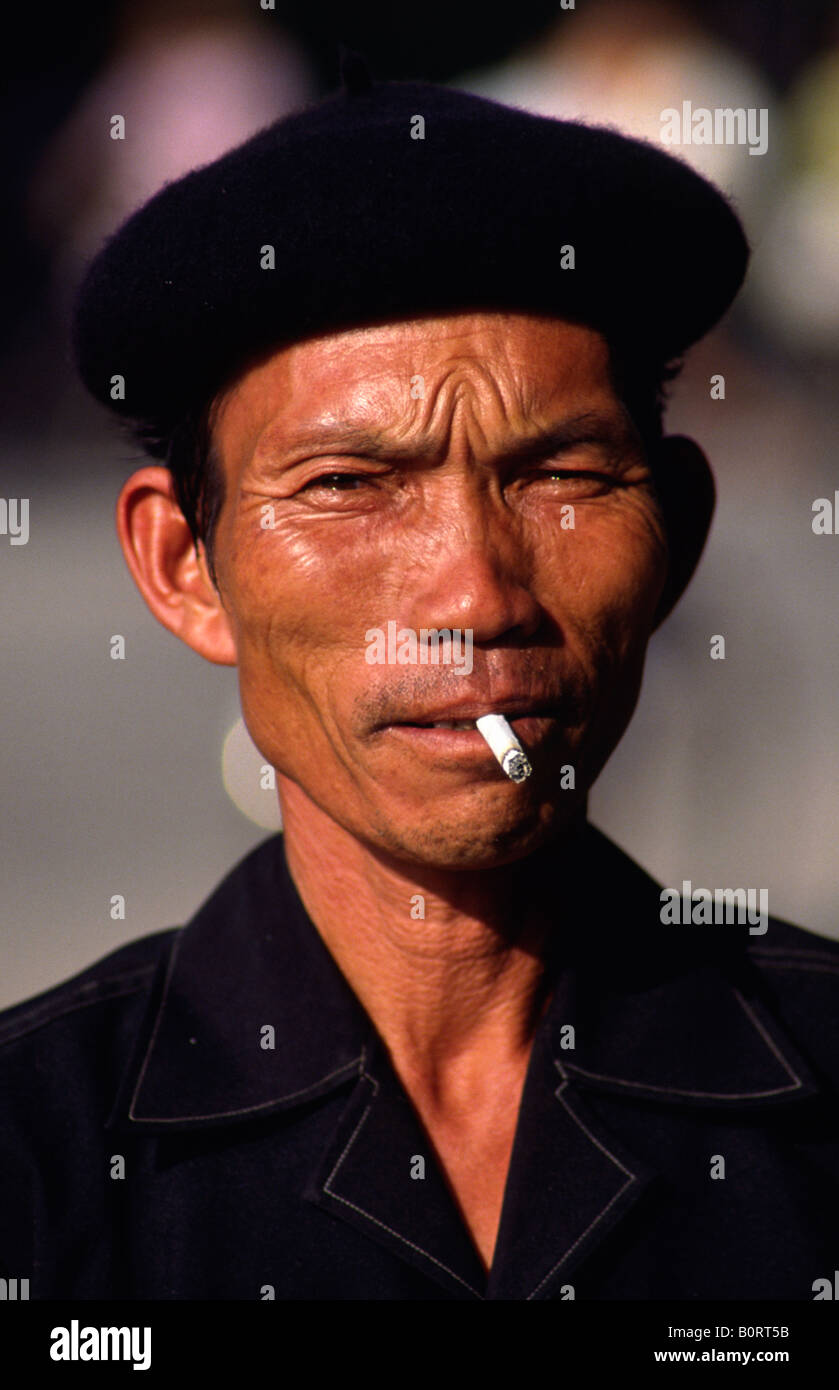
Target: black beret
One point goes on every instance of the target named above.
(391, 200)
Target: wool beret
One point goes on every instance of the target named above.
(389, 200)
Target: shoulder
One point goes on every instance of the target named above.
(799, 974)
(63, 1052)
(126, 975)
(121, 975)
(790, 953)
(66, 1050)
(793, 972)
(63, 1055)
(782, 939)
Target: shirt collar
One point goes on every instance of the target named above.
(252, 1015)
(673, 1013)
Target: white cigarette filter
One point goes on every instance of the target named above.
(505, 746)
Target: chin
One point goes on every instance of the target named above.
(479, 842)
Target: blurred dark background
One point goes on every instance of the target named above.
(134, 777)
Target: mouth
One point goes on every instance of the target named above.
(462, 718)
(457, 743)
(447, 724)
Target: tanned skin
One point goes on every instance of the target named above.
(444, 506)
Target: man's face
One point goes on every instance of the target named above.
(423, 473)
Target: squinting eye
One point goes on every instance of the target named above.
(583, 475)
(335, 482)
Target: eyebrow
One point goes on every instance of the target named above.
(593, 427)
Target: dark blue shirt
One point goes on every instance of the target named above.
(208, 1113)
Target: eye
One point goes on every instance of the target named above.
(336, 482)
(583, 476)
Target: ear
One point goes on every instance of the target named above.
(174, 581)
(685, 486)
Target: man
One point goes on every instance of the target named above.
(403, 357)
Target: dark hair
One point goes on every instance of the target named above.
(640, 380)
(198, 476)
(190, 454)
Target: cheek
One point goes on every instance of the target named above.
(611, 577)
(300, 596)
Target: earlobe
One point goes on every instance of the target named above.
(686, 490)
(173, 580)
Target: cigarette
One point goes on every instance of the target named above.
(505, 746)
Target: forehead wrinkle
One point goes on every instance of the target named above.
(517, 389)
(367, 422)
(469, 391)
(423, 426)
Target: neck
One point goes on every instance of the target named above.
(449, 965)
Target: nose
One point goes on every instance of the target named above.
(474, 569)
